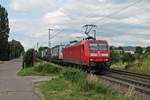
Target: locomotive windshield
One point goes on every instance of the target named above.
(98, 46)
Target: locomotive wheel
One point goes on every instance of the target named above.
(90, 70)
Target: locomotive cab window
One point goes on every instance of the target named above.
(98, 46)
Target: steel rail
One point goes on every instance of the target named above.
(131, 74)
(140, 82)
(140, 89)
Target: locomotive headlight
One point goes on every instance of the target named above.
(106, 59)
(91, 59)
(93, 54)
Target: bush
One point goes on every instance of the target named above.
(74, 75)
(28, 58)
(115, 57)
(47, 68)
(139, 50)
(128, 58)
(97, 87)
(80, 78)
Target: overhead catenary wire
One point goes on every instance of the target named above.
(56, 34)
(115, 13)
(108, 16)
(118, 11)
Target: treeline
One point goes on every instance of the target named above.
(12, 49)
(127, 57)
(15, 49)
(4, 34)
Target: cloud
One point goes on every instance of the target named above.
(147, 41)
(56, 17)
(28, 32)
(140, 19)
(128, 27)
(28, 5)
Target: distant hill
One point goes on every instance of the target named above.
(125, 48)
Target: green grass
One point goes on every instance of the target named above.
(40, 69)
(142, 66)
(71, 84)
(30, 72)
(60, 89)
(139, 66)
(119, 66)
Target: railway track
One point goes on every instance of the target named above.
(140, 82)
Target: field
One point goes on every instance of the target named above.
(71, 84)
(60, 89)
(139, 66)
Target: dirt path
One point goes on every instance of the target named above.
(13, 87)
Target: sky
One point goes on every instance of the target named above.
(120, 22)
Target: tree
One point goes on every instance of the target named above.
(139, 50)
(147, 50)
(28, 58)
(139, 53)
(128, 58)
(4, 33)
(42, 48)
(15, 49)
(121, 48)
(115, 56)
(111, 48)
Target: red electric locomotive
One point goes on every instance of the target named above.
(90, 54)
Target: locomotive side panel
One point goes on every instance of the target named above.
(72, 54)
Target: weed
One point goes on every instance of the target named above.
(46, 68)
(60, 89)
(76, 76)
(72, 84)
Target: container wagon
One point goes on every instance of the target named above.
(57, 54)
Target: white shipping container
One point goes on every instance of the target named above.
(57, 52)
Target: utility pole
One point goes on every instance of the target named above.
(37, 46)
(49, 33)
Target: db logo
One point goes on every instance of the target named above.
(99, 52)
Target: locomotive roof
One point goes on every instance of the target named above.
(58, 46)
(83, 41)
(97, 40)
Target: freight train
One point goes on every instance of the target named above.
(88, 54)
